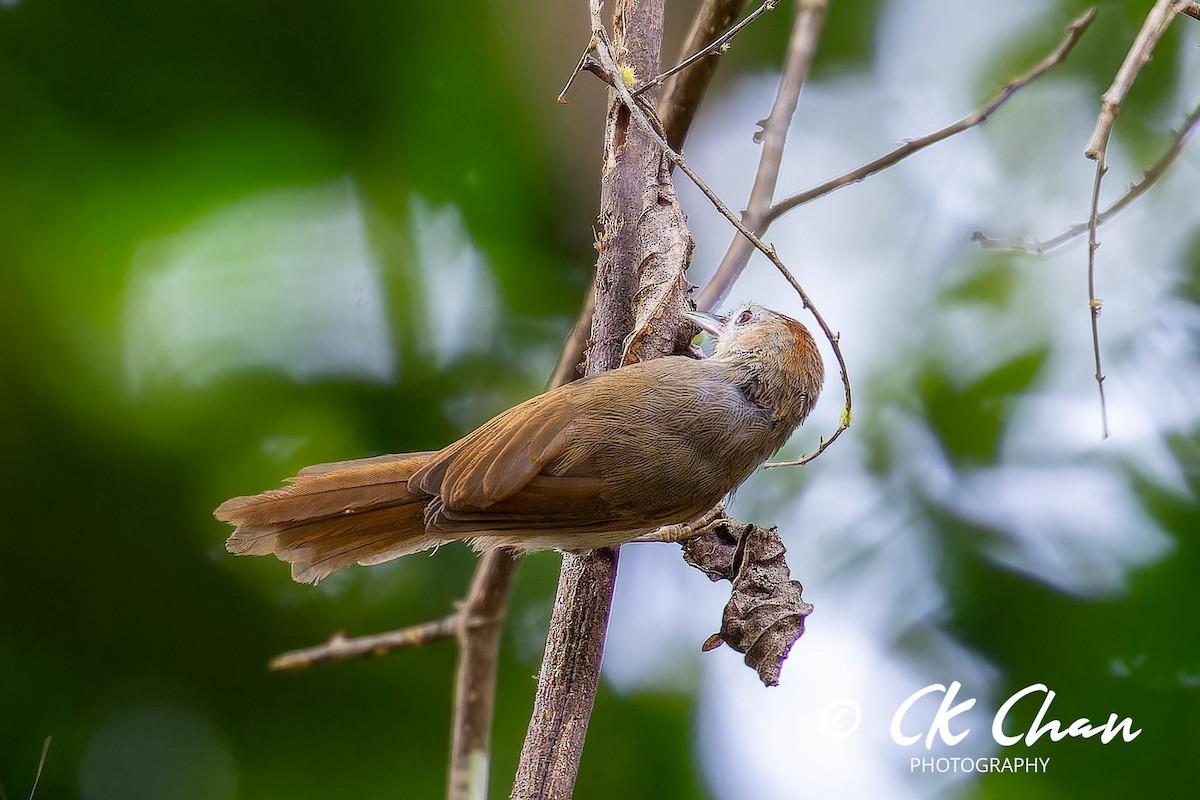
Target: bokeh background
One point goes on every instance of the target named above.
(237, 238)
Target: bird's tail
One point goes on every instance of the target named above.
(333, 515)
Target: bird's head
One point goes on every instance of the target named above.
(773, 349)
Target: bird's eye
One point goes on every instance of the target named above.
(744, 317)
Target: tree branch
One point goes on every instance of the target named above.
(569, 676)
(802, 46)
(911, 146)
(481, 621)
(1041, 247)
(1155, 25)
(341, 648)
(570, 358)
(641, 294)
(1093, 302)
(677, 109)
(713, 48)
(678, 104)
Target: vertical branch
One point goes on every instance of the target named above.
(1094, 303)
(677, 110)
(1157, 21)
(640, 294)
(569, 676)
(480, 624)
(570, 358)
(678, 106)
(802, 46)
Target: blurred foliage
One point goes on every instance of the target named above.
(126, 121)
(969, 421)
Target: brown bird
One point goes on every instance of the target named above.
(593, 463)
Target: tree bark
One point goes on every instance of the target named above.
(644, 247)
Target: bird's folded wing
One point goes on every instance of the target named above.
(546, 502)
(500, 458)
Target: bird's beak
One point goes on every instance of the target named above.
(710, 323)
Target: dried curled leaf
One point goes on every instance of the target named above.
(765, 613)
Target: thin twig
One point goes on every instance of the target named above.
(341, 648)
(594, 7)
(679, 100)
(41, 765)
(571, 355)
(600, 44)
(1155, 25)
(1041, 247)
(1093, 302)
(480, 621)
(716, 47)
(911, 146)
(802, 46)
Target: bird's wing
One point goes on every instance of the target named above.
(501, 459)
(559, 461)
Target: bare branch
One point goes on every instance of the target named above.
(480, 621)
(681, 97)
(1155, 25)
(676, 108)
(643, 244)
(911, 146)
(713, 48)
(594, 7)
(569, 677)
(571, 356)
(1093, 302)
(1041, 247)
(810, 456)
(341, 648)
(802, 46)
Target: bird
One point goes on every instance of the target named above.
(594, 463)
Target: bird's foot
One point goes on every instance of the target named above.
(713, 518)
